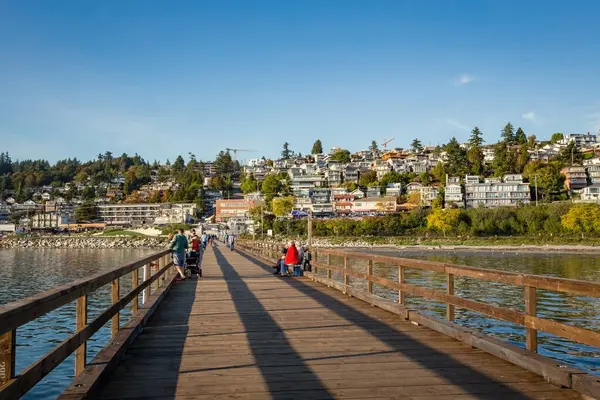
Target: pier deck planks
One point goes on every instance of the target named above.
(241, 333)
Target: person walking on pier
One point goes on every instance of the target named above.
(178, 246)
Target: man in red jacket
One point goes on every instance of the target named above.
(291, 258)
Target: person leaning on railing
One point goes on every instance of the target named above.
(179, 244)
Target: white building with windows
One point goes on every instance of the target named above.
(453, 195)
(496, 192)
(581, 140)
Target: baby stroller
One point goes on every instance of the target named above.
(192, 265)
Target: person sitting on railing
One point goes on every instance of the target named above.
(178, 246)
(291, 259)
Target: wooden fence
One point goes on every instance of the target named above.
(530, 284)
(155, 273)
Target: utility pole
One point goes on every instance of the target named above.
(309, 229)
(536, 191)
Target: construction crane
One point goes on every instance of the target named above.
(385, 143)
(235, 151)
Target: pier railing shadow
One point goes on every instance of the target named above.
(245, 300)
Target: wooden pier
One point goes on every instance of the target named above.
(240, 332)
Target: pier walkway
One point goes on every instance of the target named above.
(242, 333)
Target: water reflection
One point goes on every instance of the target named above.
(25, 272)
(563, 307)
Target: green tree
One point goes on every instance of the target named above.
(416, 145)
(249, 184)
(556, 137)
(582, 218)
(367, 177)
(424, 178)
(504, 160)
(508, 134)
(342, 156)
(550, 182)
(286, 153)
(317, 147)
(456, 163)
(439, 172)
(522, 158)
(178, 165)
(476, 139)
(271, 187)
(88, 211)
(443, 220)
(374, 148)
(570, 155)
(390, 177)
(520, 137)
(532, 142)
(474, 153)
(282, 206)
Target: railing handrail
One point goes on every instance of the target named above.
(20, 312)
(564, 285)
(528, 319)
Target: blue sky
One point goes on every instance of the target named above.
(163, 78)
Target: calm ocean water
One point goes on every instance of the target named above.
(27, 272)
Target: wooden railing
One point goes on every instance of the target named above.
(530, 284)
(155, 272)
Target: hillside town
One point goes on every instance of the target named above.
(130, 192)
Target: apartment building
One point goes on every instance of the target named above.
(393, 190)
(428, 194)
(321, 201)
(48, 220)
(593, 172)
(576, 178)
(342, 203)
(370, 205)
(146, 214)
(581, 140)
(496, 192)
(453, 195)
(591, 193)
(227, 209)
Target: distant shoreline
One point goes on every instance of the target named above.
(527, 249)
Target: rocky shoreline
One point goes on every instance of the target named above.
(79, 242)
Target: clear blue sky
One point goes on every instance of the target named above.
(162, 78)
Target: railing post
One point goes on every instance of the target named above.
(8, 346)
(315, 260)
(450, 291)
(114, 325)
(401, 295)
(81, 322)
(134, 283)
(346, 277)
(146, 292)
(531, 309)
(369, 274)
(155, 268)
(328, 269)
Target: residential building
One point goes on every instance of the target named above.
(358, 194)
(453, 194)
(307, 182)
(302, 203)
(593, 172)
(48, 220)
(494, 192)
(342, 203)
(334, 177)
(393, 190)
(227, 209)
(428, 194)
(576, 178)
(373, 191)
(146, 214)
(381, 168)
(581, 140)
(351, 174)
(374, 205)
(591, 193)
(321, 201)
(413, 187)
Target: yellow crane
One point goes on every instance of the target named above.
(385, 143)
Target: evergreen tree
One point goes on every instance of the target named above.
(508, 134)
(416, 146)
(286, 153)
(317, 147)
(178, 165)
(374, 148)
(504, 159)
(475, 153)
(456, 158)
(520, 137)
